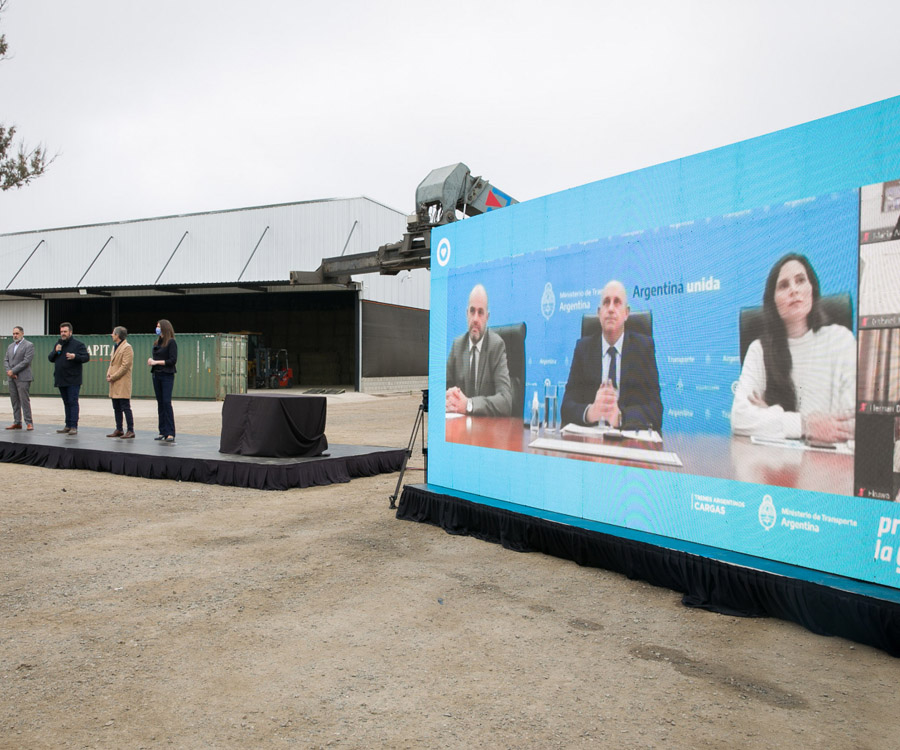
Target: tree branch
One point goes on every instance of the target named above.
(19, 169)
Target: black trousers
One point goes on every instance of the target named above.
(122, 406)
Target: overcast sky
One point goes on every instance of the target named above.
(181, 106)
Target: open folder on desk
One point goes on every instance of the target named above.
(646, 436)
(607, 450)
(845, 448)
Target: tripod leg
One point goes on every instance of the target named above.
(424, 446)
(409, 450)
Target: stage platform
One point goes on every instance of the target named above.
(714, 579)
(191, 458)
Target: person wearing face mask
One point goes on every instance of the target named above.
(799, 377)
(162, 366)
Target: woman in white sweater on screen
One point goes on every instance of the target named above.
(799, 377)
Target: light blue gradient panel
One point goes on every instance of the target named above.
(694, 278)
(723, 216)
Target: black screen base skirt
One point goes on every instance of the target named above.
(739, 585)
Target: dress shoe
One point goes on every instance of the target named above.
(65, 429)
(15, 426)
(116, 433)
(30, 427)
(73, 431)
(128, 435)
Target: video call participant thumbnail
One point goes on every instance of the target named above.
(799, 378)
(613, 379)
(477, 372)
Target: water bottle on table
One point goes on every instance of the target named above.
(551, 421)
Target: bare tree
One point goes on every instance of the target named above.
(18, 165)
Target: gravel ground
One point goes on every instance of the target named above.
(140, 614)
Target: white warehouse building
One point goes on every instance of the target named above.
(229, 271)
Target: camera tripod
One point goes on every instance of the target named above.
(419, 424)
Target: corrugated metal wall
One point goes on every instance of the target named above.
(246, 245)
(28, 313)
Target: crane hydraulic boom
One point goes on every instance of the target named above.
(440, 198)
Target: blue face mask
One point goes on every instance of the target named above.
(158, 331)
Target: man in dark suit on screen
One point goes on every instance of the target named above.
(613, 379)
(477, 373)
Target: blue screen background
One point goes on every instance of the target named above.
(724, 260)
(724, 217)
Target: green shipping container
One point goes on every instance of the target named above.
(210, 365)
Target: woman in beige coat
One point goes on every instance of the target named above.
(119, 378)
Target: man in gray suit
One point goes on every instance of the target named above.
(17, 364)
(477, 373)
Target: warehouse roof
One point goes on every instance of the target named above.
(247, 248)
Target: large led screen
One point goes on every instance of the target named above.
(707, 350)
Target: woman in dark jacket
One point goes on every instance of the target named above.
(162, 366)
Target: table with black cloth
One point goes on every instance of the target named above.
(276, 426)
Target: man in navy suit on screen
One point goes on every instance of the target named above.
(613, 379)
